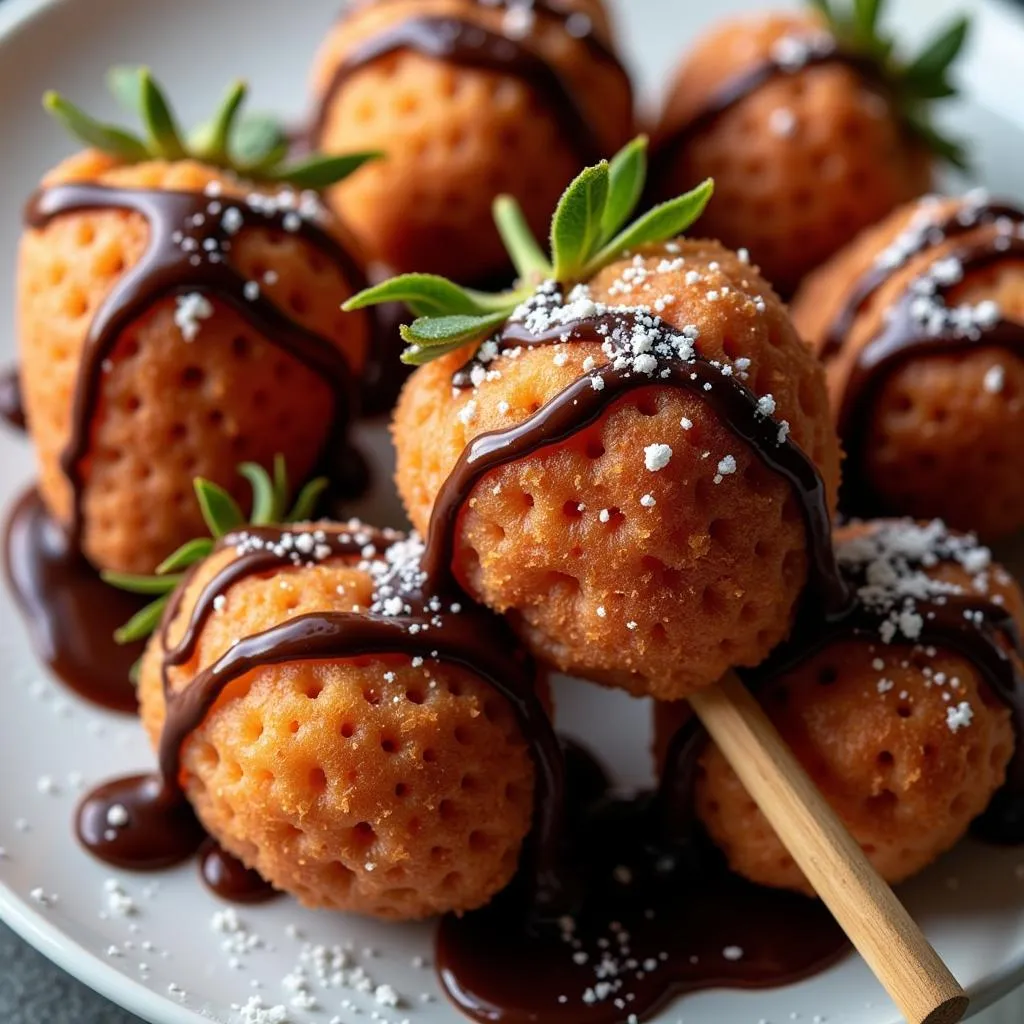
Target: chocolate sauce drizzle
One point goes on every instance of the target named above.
(956, 224)
(473, 639)
(641, 867)
(904, 337)
(177, 261)
(670, 144)
(581, 404)
(468, 44)
(12, 408)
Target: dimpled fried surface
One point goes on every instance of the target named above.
(903, 782)
(456, 136)
(168, 410)
(660, 600)
(939, 439)
(365, 785)
(801, 164)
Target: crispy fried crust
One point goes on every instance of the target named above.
(708, 577)
(364, 785)
(904, 784)
(802, 164)
(455, 137)
(939, 441)
(169, 410)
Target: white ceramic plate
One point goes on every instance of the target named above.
(164, 961)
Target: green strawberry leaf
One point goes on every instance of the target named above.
(824, 7)
(253, 146)
(665, 221)
(103, 137)
(866, 13)
(594, 206)
(320, 171)
(125, 85)
(527, 256)
(627, 172)
(188, 554)
(222, 515)
(213, 141)
(430, 295)
(220, 511)
(282, 488)
(939, 54)
(948, 149)
(451, 331)
(142, 623)
(265, 507)
(576, 225)
(158, 119)
(306, 503)
(136, 584)
(258, 140)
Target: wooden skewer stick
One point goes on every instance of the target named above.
(876, 922)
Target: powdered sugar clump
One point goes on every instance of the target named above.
(189, 313)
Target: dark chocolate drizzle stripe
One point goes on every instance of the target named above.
(12, 406)
(903, 338)
(560, 12)
(732, 92)
(473, 639)
(470, 45)
(952, 226)
(580, 405)
(166, 269)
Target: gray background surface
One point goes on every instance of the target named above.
(34, 991)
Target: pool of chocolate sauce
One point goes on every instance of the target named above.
(70, 613)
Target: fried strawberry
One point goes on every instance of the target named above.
(177, 312)
(361, 738)
(627, 458)
(921, 326)
(468, 99)
(811, 127)
(907, 738)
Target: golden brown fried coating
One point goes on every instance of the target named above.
(364, 785)
(455, 136)
(802, 163)
(941, 438)
(659, 599)
(169, 410)
(870, 724)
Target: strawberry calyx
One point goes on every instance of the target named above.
(253, 146)
(590, 229)
(915, 83)
(270, 505)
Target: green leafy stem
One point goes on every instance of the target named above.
(270, 504)
(914, 83)
(590, 228)
(254, 146)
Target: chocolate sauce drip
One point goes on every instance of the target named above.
(180, 223)
(904, 337)
(139, 823)
(229, 878)
(470, 45)
(670, 906)
(12, 408)
(579, 405)
(70, 612)
(733, 91)
(956, 224)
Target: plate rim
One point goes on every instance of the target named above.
(87, 966)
